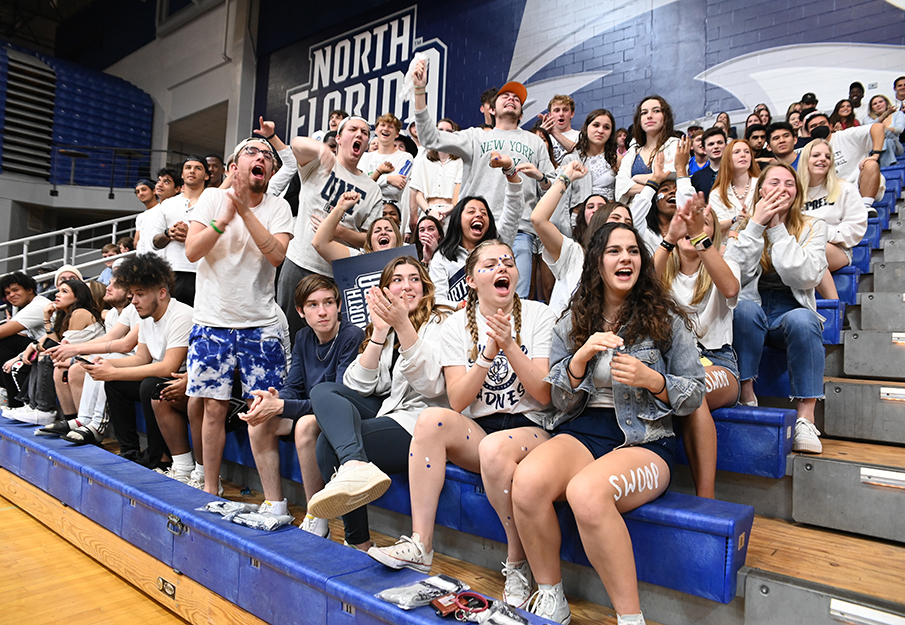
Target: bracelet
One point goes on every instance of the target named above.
(510, 171)
(698, 238)
(420, 90)
(664, 385)
(214, 226)
(270, 137)
(577, 377)
(666, 245)
(653, 184)
(564, 179)
(376, 343)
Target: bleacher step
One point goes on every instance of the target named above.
(893, 250)
(851, 486)
(883, 311)
(889, 277)
(874, 354)
(806, 575)
(869, 410)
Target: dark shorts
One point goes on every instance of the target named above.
(504, 421)
(723, 357)
(596, 429)
(290, 438)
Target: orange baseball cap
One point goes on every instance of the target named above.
(517, 88)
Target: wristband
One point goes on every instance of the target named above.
(509, 171)
(698, 238)
(214, 226)
(704, 244)
(564, 179)
(664, 385)
(420, 91)
(653, 184)
(376, 343)
(270, 137)
(577, 377)
(666, 245)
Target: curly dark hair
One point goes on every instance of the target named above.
(144, 271)
(646, 310)
(452, 240)
(611, 145)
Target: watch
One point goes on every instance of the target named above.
(704, 244)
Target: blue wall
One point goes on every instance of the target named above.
(609, 56)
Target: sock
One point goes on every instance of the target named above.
(199, 471)
(70, 417)
(280, 508)
(183, 463)
(74, 423)
(630, 619)
(868, 201)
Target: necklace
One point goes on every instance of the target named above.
(327, 355)
(741, 198)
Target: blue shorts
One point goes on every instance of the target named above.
(723, 357)
(504, 421)
(597, 429)
(215, 354)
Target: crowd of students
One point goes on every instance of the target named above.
(574, 293)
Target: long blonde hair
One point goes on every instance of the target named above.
(795, 219)
(831, 183)
(471, 302)
(704, 282)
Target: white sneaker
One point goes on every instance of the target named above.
(279, 508)
(630, 619)
(806, 437)
(353, 486)
(519, 583)
(314, 525)
(199, 484)
(407, 553)
(173, 474)
(33, 416)
(10, 413)
(549, 602)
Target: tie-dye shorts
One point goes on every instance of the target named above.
(215, 354)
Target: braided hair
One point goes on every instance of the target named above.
(471, 301)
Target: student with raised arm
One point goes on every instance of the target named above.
(706, 286)
(494, 360)
(383, 234)
(652, 128)
(564, 255)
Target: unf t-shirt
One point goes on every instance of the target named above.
(501, 391)
(321, 190)
(402, 165)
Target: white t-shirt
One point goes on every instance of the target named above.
(558, 150)
(168, 214)
(172, 330)
(448, 277)
(712, 316)
(235, 281)
(850, 147)
(567, 271)
(128, 317)
(724, 212)
(846, 218)
(402, 163)
(436, 179)
(143, 222)
(31, 317)
(501, 391)
(321, 189)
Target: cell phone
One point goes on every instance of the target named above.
(155, 394)
(82, 360)
(48, 343)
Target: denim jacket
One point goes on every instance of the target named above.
(641, 416)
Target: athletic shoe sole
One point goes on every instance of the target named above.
(396, 563)
(329, 504)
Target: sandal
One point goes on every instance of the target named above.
(57, 428)
(84, 435)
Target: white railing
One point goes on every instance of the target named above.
(62, 246)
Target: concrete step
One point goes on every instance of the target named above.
(888, 276)
(893, 250)
(882, 311)
(865, 410)
(874, 354)
(854, 487)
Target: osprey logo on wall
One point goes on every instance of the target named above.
(361, 72)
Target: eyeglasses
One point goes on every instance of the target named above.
(253, 152)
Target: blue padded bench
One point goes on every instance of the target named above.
(846, 280)
(861, 257)
(895, 172)
(277, 576)
(874, 232)
(750, 439)
(681, 542)
(884, 210)
(833, 311)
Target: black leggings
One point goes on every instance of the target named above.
(13, 346)
(121, 398)
(350, 431)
